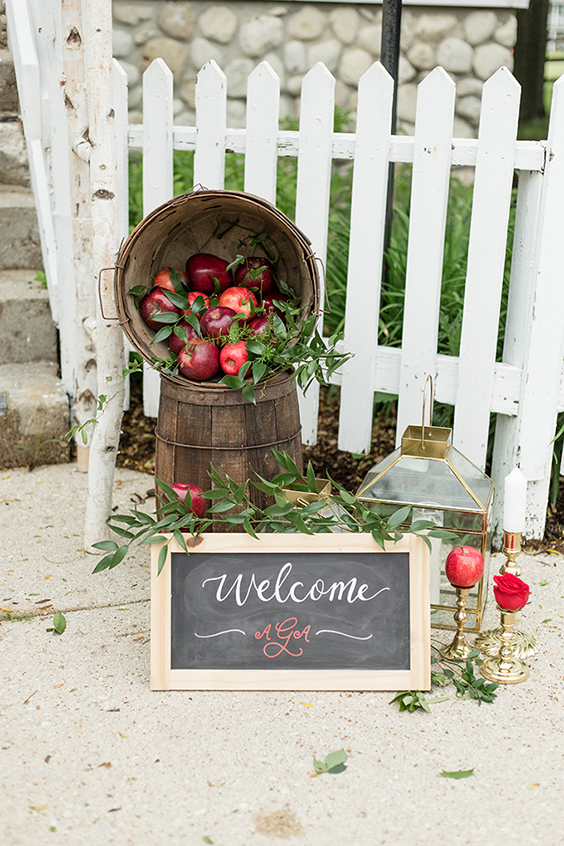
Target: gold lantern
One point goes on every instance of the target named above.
(446, 488)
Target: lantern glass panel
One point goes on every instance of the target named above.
(419, 481)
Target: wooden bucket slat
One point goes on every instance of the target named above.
(199, 426)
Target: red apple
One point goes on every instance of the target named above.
(261, 325)
(176, 343)
(199, 504)
(199, 360)
(257, 273)
(153, 303)
(193, 295)
(217, 321)
(269, 303)
(232, 357)
(200, 269)
(241, 300)
(163, 280)
(464, 566)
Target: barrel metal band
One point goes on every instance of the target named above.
(227, 448)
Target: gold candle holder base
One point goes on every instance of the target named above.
(459, 648)
(490, 642)
(505, 667)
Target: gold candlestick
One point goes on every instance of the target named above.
(505, 667)
(525, 645)
(459, 647)
(511, 549)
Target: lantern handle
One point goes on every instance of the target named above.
(432, 396)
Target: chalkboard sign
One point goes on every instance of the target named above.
(291, 612)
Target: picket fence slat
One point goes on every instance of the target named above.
(486, 261)
(429, 195)
(540, 394)
(312, 197)
(211, 101)
(263, 111)
(29, 83)
(368, 222)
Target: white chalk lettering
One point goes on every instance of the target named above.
(339, 591)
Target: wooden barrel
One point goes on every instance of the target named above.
(200, 425)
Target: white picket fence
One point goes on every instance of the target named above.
(526, 389)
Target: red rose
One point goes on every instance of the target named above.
(511, 593)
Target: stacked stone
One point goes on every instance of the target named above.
(293, 38)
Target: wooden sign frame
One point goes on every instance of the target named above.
(417, 677)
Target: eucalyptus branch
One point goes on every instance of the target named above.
(231, 507)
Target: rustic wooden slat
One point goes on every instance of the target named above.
(429, 194)
(543, 364)
(486, 262)
(157, 177)
(263, 108)
(211, 98)
(368, 221)
(312, 195)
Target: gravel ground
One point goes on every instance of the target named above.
(89, 755)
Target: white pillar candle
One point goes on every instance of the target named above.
(515, 501)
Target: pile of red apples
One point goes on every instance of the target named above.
(218, 295)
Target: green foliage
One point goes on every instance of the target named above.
(446, 671)
(334, 763)
(231, 507)
(59, 624)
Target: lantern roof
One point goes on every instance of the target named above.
(427, 471)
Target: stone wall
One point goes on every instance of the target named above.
(469, 44)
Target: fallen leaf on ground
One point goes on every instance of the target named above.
(458, 773)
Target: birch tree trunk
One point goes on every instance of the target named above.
(84, 407)
(110, 345)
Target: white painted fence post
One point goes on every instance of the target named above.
(110, 347)
(486, 262)
(312, 197)
(429, 195)
(157, 177)
(517, 328)
(543, 361)
(368, 221)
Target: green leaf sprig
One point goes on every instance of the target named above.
(446, 671)
(231, 507)
(334, 763)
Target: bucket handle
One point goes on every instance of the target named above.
(104, 317)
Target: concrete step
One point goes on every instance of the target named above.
(19, 242)
(34, 415)
(14, 169)
(26, 328)
(9, 101)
